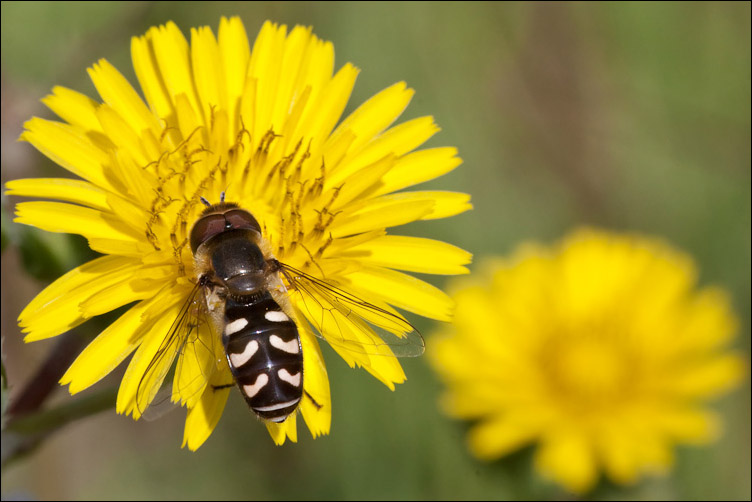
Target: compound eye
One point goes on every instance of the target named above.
(205, 228)
(238, 218)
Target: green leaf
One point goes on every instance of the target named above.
(45, 256)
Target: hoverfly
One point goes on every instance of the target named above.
(242, 296)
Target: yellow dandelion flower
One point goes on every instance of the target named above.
(601, 349)
(263, 127)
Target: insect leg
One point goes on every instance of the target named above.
(315, 403)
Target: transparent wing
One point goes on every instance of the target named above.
(192, 340)
(349, 322)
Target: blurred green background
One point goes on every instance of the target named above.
(626, 116)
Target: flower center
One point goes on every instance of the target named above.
(592, 368)
(281, 183)
(589, 373)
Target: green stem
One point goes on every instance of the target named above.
(22, 435)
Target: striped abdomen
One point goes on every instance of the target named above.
(263, 350)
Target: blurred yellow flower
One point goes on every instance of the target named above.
(263, 123)
(601, 349)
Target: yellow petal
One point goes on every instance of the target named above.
(117, 92)
(413, 254)
(69, 147)
(567, 459)
(398, 140)
(617, 446)
(200, 357)
(126, 139)
(492, 439)
(56, 309)
(446, 204)
(73, 107)
(107, 350)
(376, 114)
(131, 249)
(326, 106)
(358, 184)
(76, 191)
(629, 448)
(418, 167)
(149, 75)
(292, 68)
(153, 359)
(335, 327)
(353, 339)
(386, 211)
(208, 72)
(171, 52)
(316, 383)
(68, 218)
(236, 52)
(404, 292)
(689, 424)
(264, 68)
(126, 290)
(280, 432)
(387, 369)
(204, 416)
(710, 321)
(709, 378)
(188, 117)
